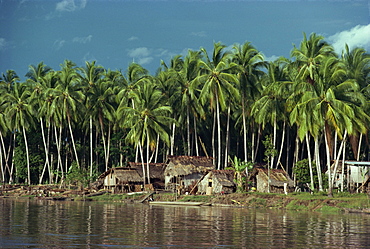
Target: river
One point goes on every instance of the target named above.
(75, 224)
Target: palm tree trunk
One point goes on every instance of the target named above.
(359, 147)
(188, 130)
(343, 159)
(73, 140)
(91, 146)
(282, 145)
(142, 161)
(318, 164)
(245, 134)
(218, 134)
(196, 136)
(27, 158)
(173, 138)
(310, 161)
(147, 158)
(108, 147)
(227, 137)
(213, 139)
(330, 193)
(274, 142)
(337, 161)
(46, 151)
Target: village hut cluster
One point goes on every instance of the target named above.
(188, 175)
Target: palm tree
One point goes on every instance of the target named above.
(7, 82)
(147, 120)
(218, 81)
(68, 96)
(19, 115)
(309, 57)
(250, 61)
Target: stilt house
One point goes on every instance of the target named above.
(121, 179)
(156, 173)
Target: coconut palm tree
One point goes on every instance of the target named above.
(147, 120)
(218, 86)
(69, 98)
(19, 115)
(250, 63)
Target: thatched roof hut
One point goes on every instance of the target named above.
(186, 165)
(278, 179)
(120, 177)
(156, 170)
(217, 181)
(186, 170)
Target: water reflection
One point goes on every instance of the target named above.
(26, 223)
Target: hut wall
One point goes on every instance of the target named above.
(110, 180)
(204, 183)
(261, 183)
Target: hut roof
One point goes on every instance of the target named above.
(124, 174)
(186, 165)
(224, 177)
(156, 170)
(277, 176)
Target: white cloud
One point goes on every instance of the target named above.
(139, 52)
(141, 55)
(145, 60)
(70, 5)
(199, 34)
(2, 43)
(58, 44)
(358, 36)
(272, 58)
(133, 38)
(83, 40)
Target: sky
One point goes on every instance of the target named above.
(115, 33)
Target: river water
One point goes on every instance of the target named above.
(67, 224)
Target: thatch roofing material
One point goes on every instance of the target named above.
(156, 170)
(124, 174)
(224, 177)
(277, 176)
(186, 165)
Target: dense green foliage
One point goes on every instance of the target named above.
(220, 104)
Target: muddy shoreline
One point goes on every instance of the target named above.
(341, 202)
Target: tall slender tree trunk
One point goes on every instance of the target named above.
(188, 130)
(91, 147)
(46, 165)
(196, 136)
(227, 137)
(245, 144)
(142, 161)
(282, 145)
(318, 164)
(310, 161)
(218, 134)
(213, 139)
(148, 159)
(73, 141)
(343, 160)
(330, 194)
(274, 142)
(173, 138)
(27, 158)
(337, 161)
(359, 148)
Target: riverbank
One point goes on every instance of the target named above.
(320, 202)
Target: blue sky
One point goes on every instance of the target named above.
(117, 32)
